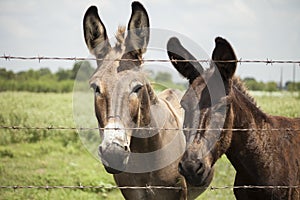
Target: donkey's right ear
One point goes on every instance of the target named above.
(177, 53)
(95, 33)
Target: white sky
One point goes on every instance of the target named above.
(257, 29)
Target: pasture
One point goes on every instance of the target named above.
(57, 157)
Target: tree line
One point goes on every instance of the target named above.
(270, 86)
(43, 80)
(62, 81)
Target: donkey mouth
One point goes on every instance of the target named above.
(199, 177)
(202, 180)
(114, 158)
(113, 167)
(112, 170)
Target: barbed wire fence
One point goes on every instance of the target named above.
(74, 187)
(150, 187)
(41, 58)
(144, 128)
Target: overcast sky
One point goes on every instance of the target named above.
(256, 29)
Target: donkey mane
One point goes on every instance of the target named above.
(120, 37)
(239, 84)
(240, 89)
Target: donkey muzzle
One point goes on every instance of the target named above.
(114, 150)
(196, 172)
(114, 158)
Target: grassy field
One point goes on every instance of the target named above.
(57, 157)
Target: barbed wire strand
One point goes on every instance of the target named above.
(47, 187)
(141, 128)
(40, 58)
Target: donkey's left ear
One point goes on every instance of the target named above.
(138, 31)
(224, 52)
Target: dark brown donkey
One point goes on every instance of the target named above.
(264, 149)
(136, 145)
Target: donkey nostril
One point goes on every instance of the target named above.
(95, 88)
(100, 149)
(200, 168)
(126, 148)
(180, 168)
(117, 144)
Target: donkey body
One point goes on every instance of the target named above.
(264, 149)
(268, 157)
(137, 147)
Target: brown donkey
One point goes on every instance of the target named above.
(264, 149)
(137, 147)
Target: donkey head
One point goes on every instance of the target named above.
(122, 93)
(207, 109)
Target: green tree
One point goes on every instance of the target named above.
(290, 86)
(4, 74)
(63, 74)
(44, 72)
(271, 86)
(252, 84)
(86, 70)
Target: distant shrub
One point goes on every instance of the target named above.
(252, 84)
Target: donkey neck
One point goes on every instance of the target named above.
(246, 113)
(247, 151)
(148, 139)
(165, 113)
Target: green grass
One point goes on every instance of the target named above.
(224, 176)
(35, 110)
(279, 103)
(48, 157)
(51, 163)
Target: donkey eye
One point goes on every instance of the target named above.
(95, 88)
(137, 88)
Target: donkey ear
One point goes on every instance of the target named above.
(224, 52)
(138, 31)
(95, 33)
(176, 52)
